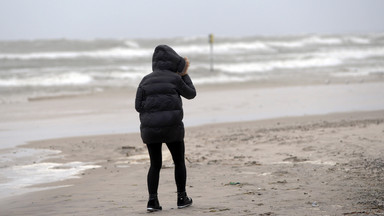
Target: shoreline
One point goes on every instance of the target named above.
(113, 111)
(279, 82)
(273, 161)
(100, 122)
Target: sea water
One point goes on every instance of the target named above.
(47, 68)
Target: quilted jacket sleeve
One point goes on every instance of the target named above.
(186, 87)
(139, 99)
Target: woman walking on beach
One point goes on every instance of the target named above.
(159, 103)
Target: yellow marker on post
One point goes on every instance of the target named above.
(211, 46)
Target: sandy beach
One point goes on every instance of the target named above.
(327, 162)
(315, 165)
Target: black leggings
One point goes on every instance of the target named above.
(177, 150)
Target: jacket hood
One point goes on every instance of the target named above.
(165, 58)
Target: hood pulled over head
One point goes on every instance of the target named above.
(166, 59)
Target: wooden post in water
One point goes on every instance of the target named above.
(211, 49)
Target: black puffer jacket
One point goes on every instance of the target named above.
(158, 98)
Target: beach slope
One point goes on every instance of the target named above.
(314, 165)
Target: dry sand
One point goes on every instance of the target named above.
(314, 165)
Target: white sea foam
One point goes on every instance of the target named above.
(132, 49)
(322, 40)
(131, 75)
(70, 78)
(190, 38)
(255, 45)
(308, 60)
(313, 40)
(248, 67)
(21, 177)
(352, 53)
(223, 48)
(134, 68)
(358, 40)
(39, 55)
(132, 44)
(224, 79)
(316, 40)
(118, 52)
(266, 45)
(189, 49)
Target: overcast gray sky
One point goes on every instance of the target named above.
(87, 19)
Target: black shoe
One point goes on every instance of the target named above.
(183, 200)
(153, 204)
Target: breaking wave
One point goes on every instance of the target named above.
(71, 78)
